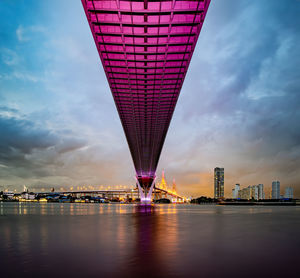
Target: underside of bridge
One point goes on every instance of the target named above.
(145, 47)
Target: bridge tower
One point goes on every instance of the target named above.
(174, 190)
(163, 184)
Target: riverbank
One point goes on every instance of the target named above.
(251, 203)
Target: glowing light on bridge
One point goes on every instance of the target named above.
(145, 47)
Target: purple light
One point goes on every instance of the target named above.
(145, 48)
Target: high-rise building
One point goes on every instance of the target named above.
(261, 192)
(235, 191)
(219, 182)
(254, 192)
(276, 190)
(245, 193)
(289, 192)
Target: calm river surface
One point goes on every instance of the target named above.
(115, 240)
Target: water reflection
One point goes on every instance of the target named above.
(115, 240)
(72, 209)
(155, 241)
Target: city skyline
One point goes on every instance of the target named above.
(59, 129)
(264, 192)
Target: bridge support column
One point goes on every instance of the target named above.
(145, 191)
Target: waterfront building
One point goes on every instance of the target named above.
(240, 194)
(9, 194)
(235, 191)
(276, 190)
(245, 193)
(28, 195)
(254, 192)
(219, 182)
(261, 194)
(252, 189)
(289, 192)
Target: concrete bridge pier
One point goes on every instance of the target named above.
(145, 187)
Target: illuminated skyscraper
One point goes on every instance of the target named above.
(219, 182)
(276, 190)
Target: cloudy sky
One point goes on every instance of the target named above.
(239, 107)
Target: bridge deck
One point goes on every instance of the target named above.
(145, 48)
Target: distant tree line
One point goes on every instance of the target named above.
(203, 199)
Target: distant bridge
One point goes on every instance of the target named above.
(158, 193)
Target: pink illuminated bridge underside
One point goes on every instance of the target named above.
(145, 48)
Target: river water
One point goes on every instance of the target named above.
(119, 240)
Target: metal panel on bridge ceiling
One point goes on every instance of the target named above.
(145, 48)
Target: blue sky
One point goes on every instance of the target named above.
(238, 109)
